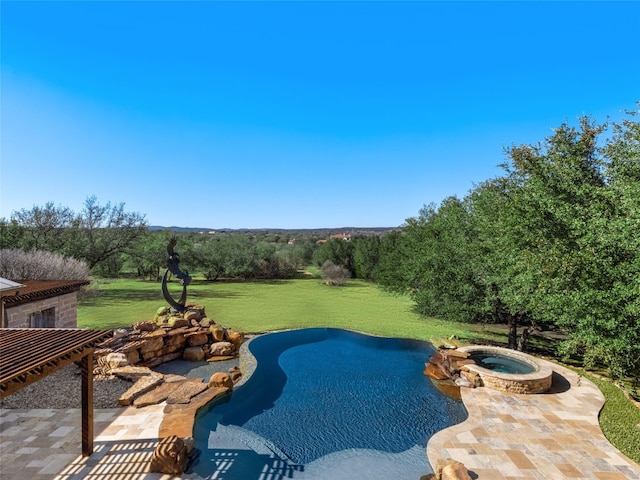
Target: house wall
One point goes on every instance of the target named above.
(65, 307)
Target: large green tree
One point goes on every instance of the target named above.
(105, 231)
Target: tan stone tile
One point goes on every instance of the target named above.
(610, 476)
(569, 470)
(519, 459)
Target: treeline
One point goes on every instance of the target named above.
(553, 243)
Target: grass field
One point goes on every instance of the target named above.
(270, 305)
(262, 306)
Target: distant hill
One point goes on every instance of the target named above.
(321, 232)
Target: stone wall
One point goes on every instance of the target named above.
(65, 307)
(190, 335)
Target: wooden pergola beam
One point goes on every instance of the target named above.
(28, 355)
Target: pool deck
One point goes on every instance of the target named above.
(553, 435)
(506, 437)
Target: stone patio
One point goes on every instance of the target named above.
(506, 437)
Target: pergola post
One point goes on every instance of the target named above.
(87, 403)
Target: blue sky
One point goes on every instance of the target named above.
(293, 114)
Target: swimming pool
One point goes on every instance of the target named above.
(326, 403)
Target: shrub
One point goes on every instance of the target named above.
(334, 275)
(16, 264)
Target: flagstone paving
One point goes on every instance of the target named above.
(554, 435)
(506, 437)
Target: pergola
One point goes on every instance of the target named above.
(30, 354)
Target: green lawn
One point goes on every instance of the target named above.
(255, 307)
(270, 305)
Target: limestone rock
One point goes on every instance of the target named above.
(192, 315)
(113, 360)
(222, 348)
(151, 344)
(144, 326)
(218, 332)
(170, 456)
(187, 390)
(450, 469)
(193, 354)
(157, 395)
(177, 322)
(196, 339)
(454, 353)
(437, 372)
(120, 333)
(472, 377)
(234, 337)
(235, 374)
(143, 385)
(206, 322)
(455, 472)
(220, 379)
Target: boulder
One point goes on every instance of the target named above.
(192, 315)
(220, 379)
(144, 326)
(120, 333)
(206, 322)
(114, 360)
(151, 344)
(222, 348)
(449, 469)
(235, 374)
(218, 332)
(455, 472)
(177, 322)
(193, 354)
(472, 377)
(234, 337)
(170, 456)
(437, 372)
(197, 339)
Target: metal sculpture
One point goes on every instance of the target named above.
(173, 268)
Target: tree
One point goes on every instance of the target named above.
(148, 255)
(12, 234)
(105, 231)
(366, 255)
(441, 271)
(44, 227)
(339, 251)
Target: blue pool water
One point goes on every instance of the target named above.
(501, 363)
(326, 403)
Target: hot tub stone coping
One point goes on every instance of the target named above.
(538, 381)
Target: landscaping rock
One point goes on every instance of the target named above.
(222, 348)
(169, 457)
(218, 332)
(143, 385)
(187, 390)
(436, 372)
(193, 354)
(197, 339)
(157, 395)
(220, 379)
(234, 337)
(450, 469)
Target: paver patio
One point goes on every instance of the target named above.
(506, 437)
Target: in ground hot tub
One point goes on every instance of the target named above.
(508, 370)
